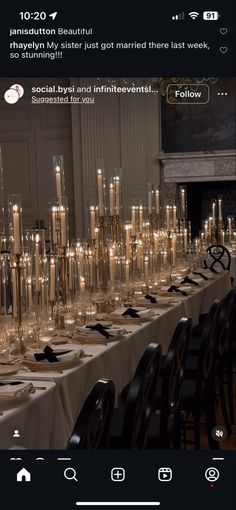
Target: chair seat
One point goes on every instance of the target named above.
(188, 400)
(154, 440)
(115, 438)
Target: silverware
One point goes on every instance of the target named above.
(46, 369)
(40, 387)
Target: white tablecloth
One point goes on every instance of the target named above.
(39, 418)
(118, 360)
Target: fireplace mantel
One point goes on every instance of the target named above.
(199, 166)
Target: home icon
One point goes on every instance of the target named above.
(23, 476)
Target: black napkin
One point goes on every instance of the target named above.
(189, 280)
(132, 313)
(151, 298)
(100, 328)
(14, 383)
(201, 274)
(173, 288)
(49, 354)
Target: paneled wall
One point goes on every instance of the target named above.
(123, 129)
(29, 136)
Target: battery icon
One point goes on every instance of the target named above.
(211, 15)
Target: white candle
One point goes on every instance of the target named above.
(63, 227)
(133, 220)
(168, 217)
(29, 293)
(117, 195)
(71, 286)
(127, 271)
(174, 216)
(127, 240)
(91, 259)
(205, 229)
(42, 291)
(141, 219)
(185, 239)
(112, 199)
(54, 225)
(37, 264)
(92, 222)
(173, 247)
(16, 230)
(81, 262)
(146, 271)
(100, 193)
(182, 197)
(214, 213)
(112, 267)
(82, 285)
(157, 201)
(58, 182)
(96, 246)
(220, 208)
(164, 258)
(52, 280)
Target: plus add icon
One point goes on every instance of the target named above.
(118, 474)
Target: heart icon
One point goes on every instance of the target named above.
(223, 49)
(223, 31)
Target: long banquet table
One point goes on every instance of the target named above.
(116, 361)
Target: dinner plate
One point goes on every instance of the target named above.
(9, 369)
(69, 358)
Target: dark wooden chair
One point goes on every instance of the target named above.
(164, 430)
(198, 396)
(216, 253)
(227, 351)
(130, 424)
(92, 427)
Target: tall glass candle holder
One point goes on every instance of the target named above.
(117, 179)
(149, 199)
(59, 223)
(59, 176)
(15, 224)
(101, 188)
(183, 201)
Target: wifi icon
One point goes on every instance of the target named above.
(193, 14)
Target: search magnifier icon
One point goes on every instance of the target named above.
(70, 474)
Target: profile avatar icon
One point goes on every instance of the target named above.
(16, 433)
(14, 93)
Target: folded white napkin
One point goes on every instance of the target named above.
(143, 313)
(13, 389)
(142, 300)
(65, 354)
(112, 331)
